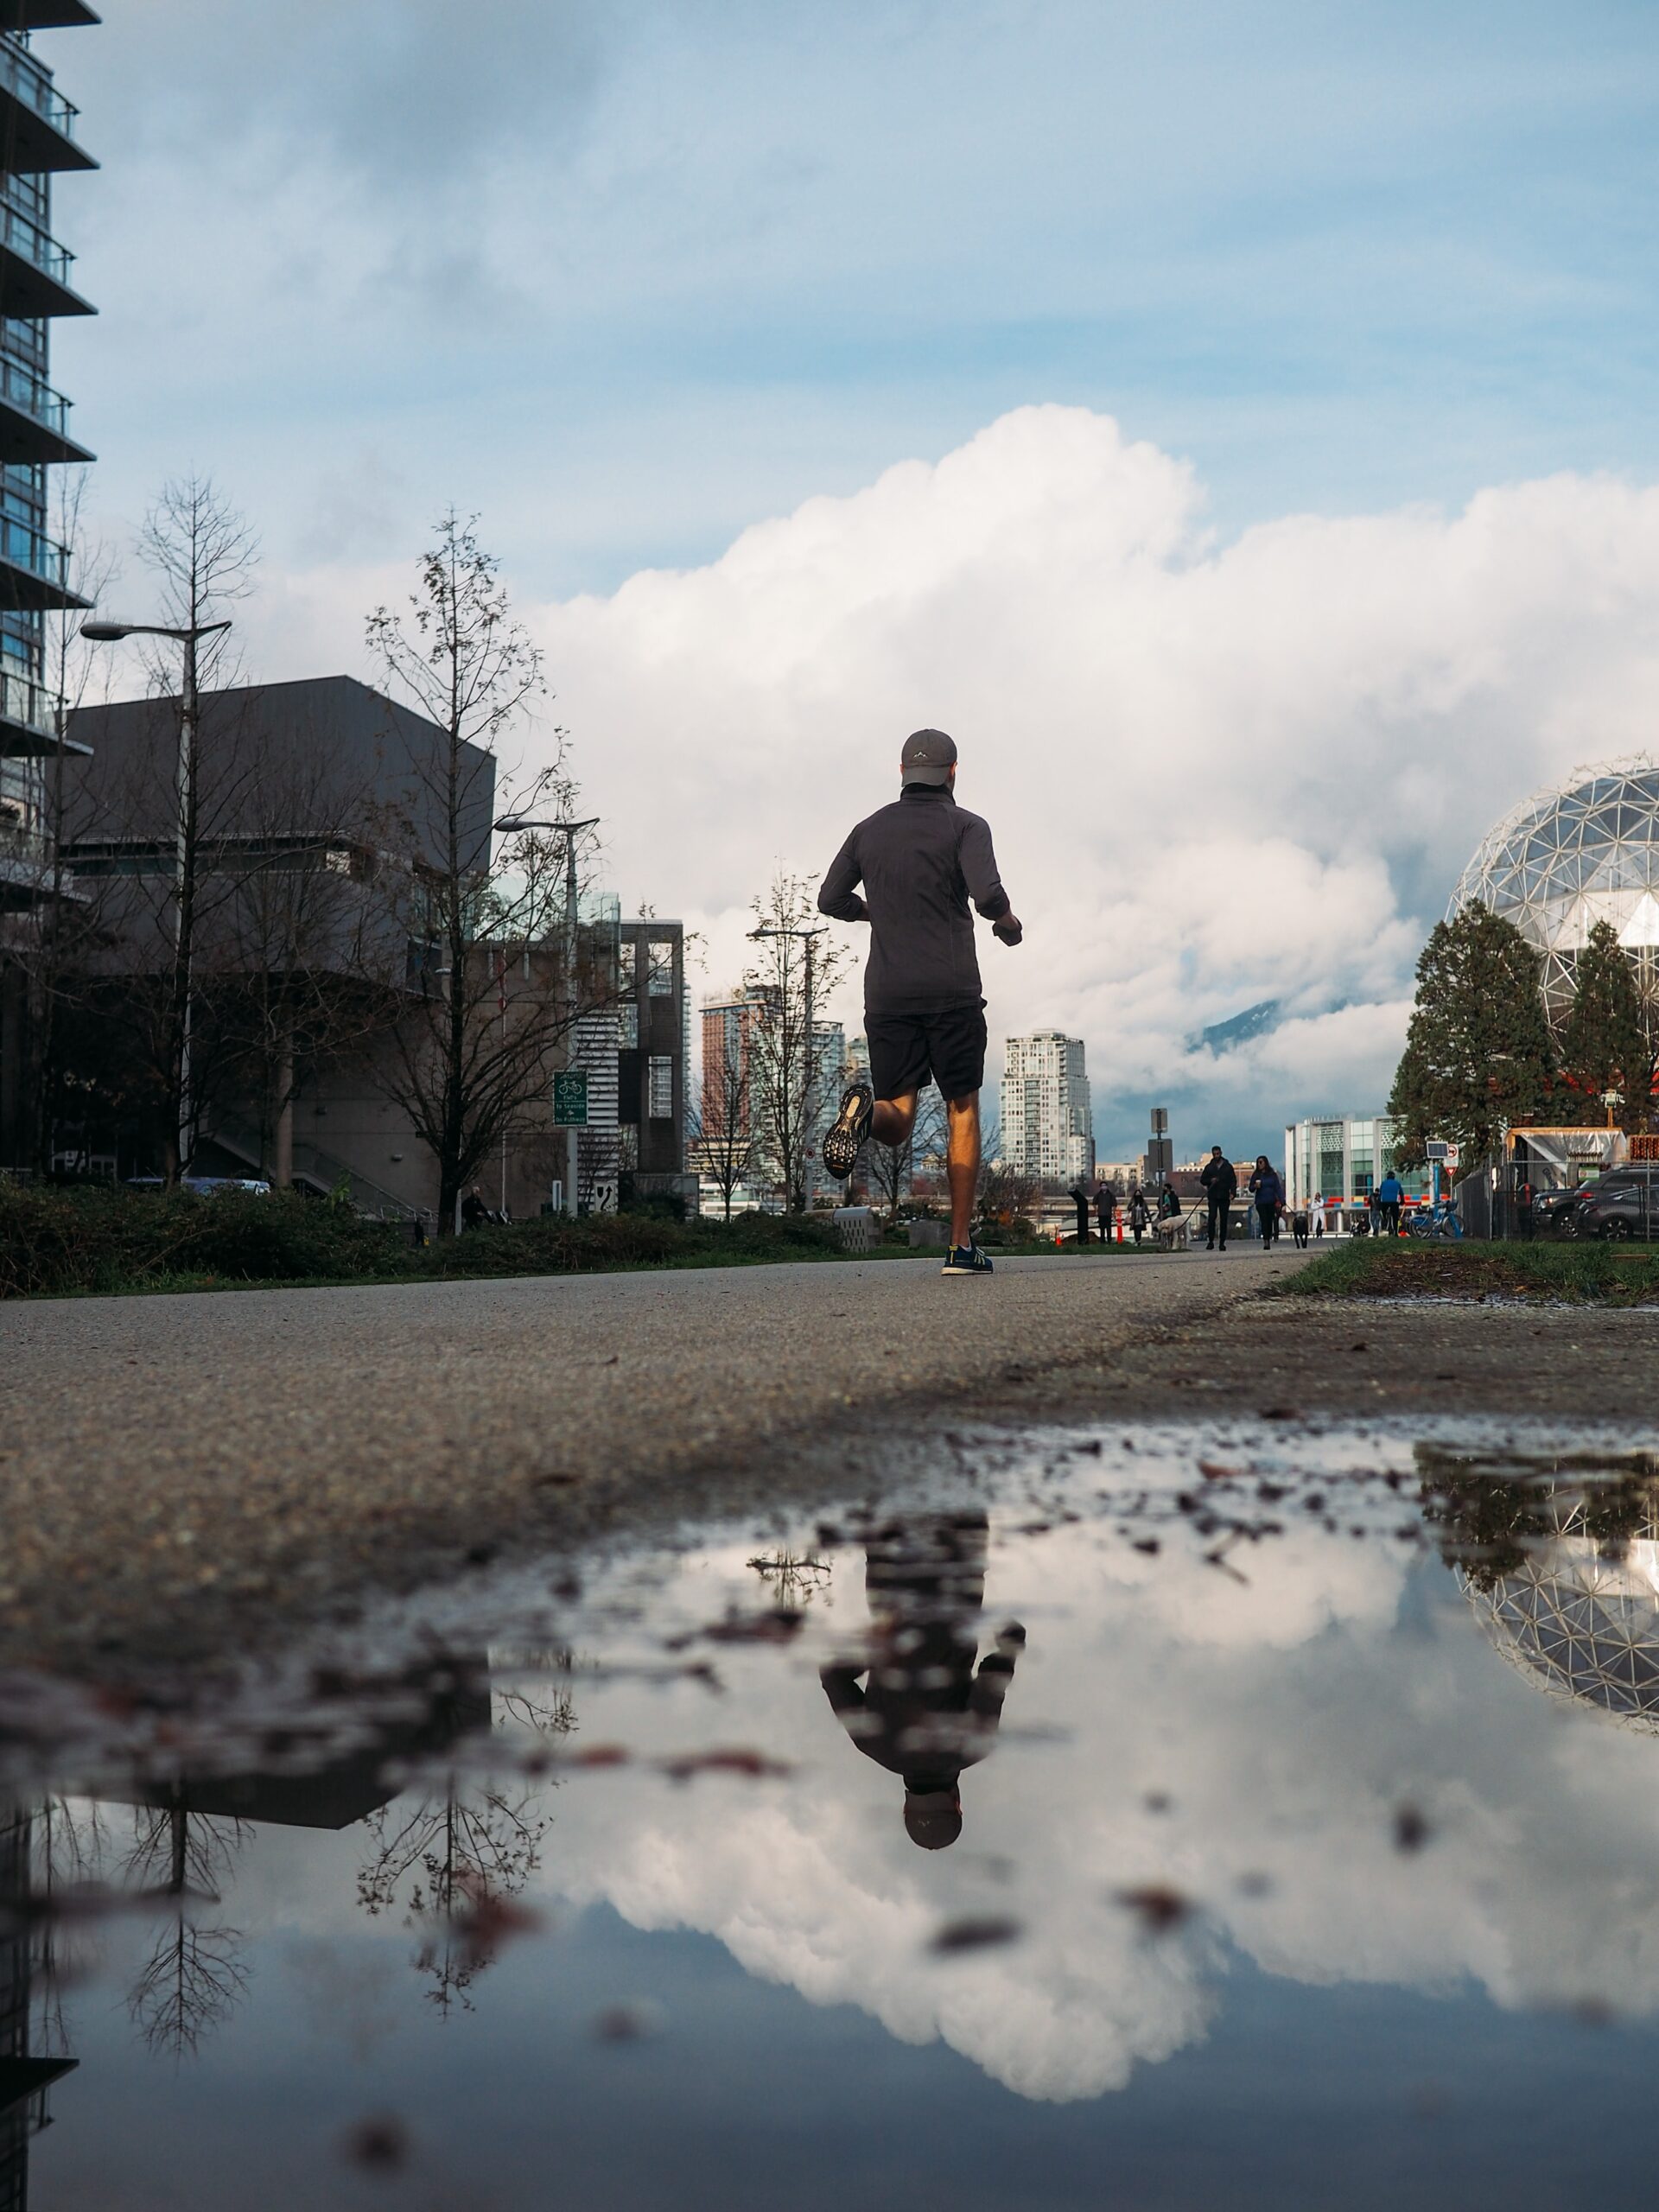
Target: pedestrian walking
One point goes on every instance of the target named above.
(1220, 1181)
(921, 861)
(474, 1212)
(1269, 1192)
(1105, 1209)
(1080, 1200)
(1139, 1214)
(1319, 1219)
(1390, 1194)
(1523, 1214)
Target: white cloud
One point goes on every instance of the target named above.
(1217, 772)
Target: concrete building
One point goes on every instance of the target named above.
(39, 140)
(1047, 1129)
(320, 822)
(1342, 1157)
(652, 1037)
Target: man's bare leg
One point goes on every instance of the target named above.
(893, 1119)
(962, 1164)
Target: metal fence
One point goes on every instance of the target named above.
(1621, 1202)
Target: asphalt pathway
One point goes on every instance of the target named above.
(173, 1466)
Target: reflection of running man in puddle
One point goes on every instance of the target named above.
(924, 1713)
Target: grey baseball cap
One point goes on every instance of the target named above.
(928, 758)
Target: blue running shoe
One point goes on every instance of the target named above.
(967, 1260)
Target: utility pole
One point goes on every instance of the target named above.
(184, 904)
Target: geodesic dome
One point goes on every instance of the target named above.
(1583, 852)
(1582, 1625)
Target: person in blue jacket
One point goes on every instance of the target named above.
(1390, 1195)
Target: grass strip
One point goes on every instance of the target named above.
(1555, 1273)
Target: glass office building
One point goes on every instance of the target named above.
(1341, 1158)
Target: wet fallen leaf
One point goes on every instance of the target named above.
(1213, 1471)
(1147, 1544)
(1411, 1830)
(776, 1626)
(755, 1764)
(631, 2022)
(975, 1934)
(1158, 1907)
(380, 2144)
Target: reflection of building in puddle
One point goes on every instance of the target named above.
(915, 1703)
(28, 2063)
(179, 1857)
(1561, 1563)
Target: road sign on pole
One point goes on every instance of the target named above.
(570, 1098)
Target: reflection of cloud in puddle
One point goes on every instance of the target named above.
(1288, 1718)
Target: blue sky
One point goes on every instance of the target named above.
(1368, 295)
(629, 276)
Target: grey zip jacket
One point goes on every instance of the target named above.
(920, 861)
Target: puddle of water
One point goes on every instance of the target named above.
(1234, 1817)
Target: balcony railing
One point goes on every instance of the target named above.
(25, 701)
(22, 75)
(25, 235)
(25, 547)
(21, 388)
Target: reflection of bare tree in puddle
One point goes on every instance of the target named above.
(193, 1978)
(794, 1579)
(1559, 1557)
(454, 1860)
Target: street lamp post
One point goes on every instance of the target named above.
(188, 635)
(810, 1064)
(506, 824)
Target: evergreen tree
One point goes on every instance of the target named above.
(1604, 1047)
(1478, 1052)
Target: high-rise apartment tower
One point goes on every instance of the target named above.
(1047, 1129)
(38, 140)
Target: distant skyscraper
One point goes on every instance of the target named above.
(1047, 1129)
(737, 1073)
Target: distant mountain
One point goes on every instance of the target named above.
(1222, 1036)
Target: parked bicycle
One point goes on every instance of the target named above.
(1441, 1220)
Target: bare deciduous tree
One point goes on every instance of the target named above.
(721, 1120)
(503, 973)
(788, 1057)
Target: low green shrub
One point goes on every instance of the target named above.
(80, 1238)
(58, 1242)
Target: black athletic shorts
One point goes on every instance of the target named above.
(906, 1048)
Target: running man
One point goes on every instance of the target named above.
(920, 861)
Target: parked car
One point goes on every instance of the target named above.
(205, 1186)
(1555, 1213)
(1623, 1202)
